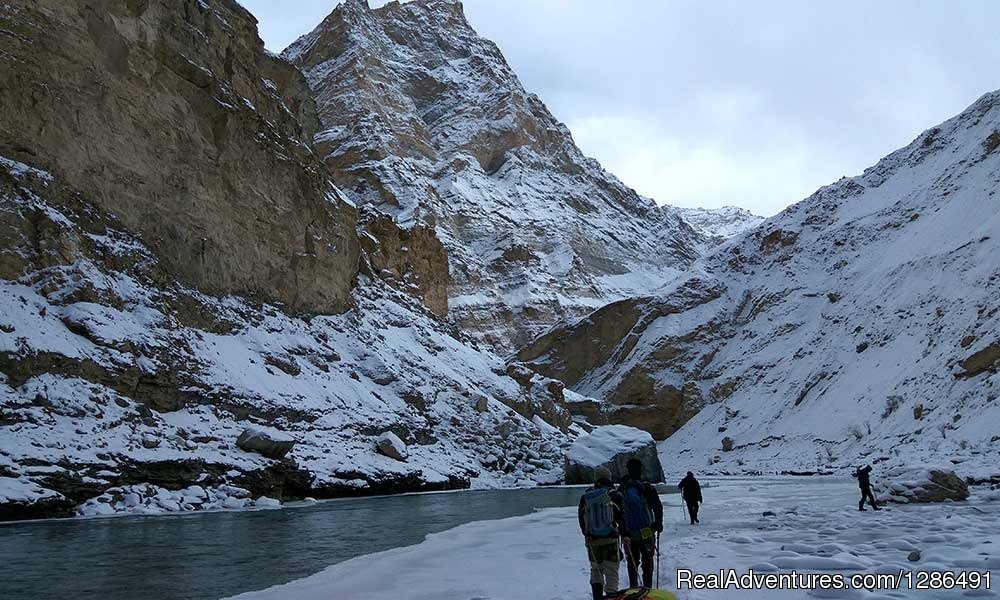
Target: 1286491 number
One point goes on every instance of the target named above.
(946, 580)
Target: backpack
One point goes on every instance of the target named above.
(638, 516)
(598, 513)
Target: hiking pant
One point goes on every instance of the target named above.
(640, 552)
(604, 558)
(866, 494)
(693, 511)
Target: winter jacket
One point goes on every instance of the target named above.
(690, 490)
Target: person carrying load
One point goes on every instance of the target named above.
(601, 522)
(643, 520)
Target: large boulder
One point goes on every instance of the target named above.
(924, 485)
(612, 446)
(269, 444)
(390, 445)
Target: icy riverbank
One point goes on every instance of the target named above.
(814, 527)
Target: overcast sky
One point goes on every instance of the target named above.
(753, 104)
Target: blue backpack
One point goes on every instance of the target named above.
(598, 513)
(638, 516)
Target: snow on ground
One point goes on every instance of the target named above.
(815, 528)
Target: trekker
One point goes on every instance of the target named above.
(864, 482)
(601, 521)
(691, 492)
(643, 513)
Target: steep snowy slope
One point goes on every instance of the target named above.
(108, 378)
(858, 324)
(153, 160)
(424, 119)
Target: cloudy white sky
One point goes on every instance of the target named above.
(754, 104)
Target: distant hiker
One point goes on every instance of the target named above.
(691, 492)
(643, 520)
(601, 521)
(865, 483)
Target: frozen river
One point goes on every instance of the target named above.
(210, 555)
(812, 525)
(494, 545)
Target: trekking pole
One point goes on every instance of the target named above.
(657, 559)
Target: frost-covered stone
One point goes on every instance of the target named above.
(265, 502)
(232, 503)
(390, 445)
(612, 446)
(266, 443)
(924, 485)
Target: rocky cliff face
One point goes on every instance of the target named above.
(173, 117)
(425, 121)
(859, 324)
(152, 157)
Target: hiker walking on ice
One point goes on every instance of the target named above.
(864, 482)
(601, 521)
(643, 513)
(691, 493)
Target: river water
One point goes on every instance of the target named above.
(213, 555)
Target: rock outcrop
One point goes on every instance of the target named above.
(658, 395)
(411, 259)
(924, 485)
(424, 120)
(612, 446)
(173, 117)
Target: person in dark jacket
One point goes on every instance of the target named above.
(601, 522)
(865, 483)
(691, 492)
(642, 506)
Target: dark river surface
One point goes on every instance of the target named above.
(213, 555)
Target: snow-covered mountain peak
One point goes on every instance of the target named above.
(424, 119)
(718, 224)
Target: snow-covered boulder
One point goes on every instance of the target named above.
(390, 445)
(269, 444)
(265, 502)
(924, 485)
(612, 446)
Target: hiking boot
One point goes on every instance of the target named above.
(598, 590)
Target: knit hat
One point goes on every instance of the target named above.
(602, 473)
